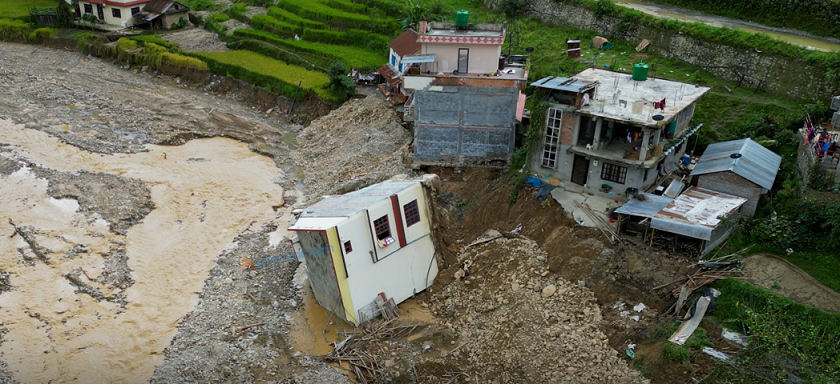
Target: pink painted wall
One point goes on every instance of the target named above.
(484, 58)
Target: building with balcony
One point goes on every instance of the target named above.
(613, 130)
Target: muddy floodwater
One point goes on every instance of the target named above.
(205, 193)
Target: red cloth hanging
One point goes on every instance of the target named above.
(659, 104)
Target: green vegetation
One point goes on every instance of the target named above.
(320, 11)
(355, 57)
(282, 14)
(220, 17)
(390, 7)
(341, 84)
(154, 39)
(237, 11)
(19, 9)
(274, 75)
(274, 26)
(817, 16)
(183, 61)
(788, 338)
(346, 5)
(152, 55)
(13, 30)
(202, 5)
(43, 33)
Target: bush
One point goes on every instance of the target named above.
(152, 55)
(237, 11)
(13, 30)
(42, 33)
(274, 75)
(121, 48)
(341, 84)
(220, 17)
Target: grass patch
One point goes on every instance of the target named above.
(346, 5)
(274, 75)
(203, 5)
(184, 61)
(19, 9)
(354, 57)
(274, 26)
(220, 17)
(14, 30)
(788, 338)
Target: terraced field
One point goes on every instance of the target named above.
(303, 37)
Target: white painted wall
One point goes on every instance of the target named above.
(376, 211)
(422, 228)
(125, 13)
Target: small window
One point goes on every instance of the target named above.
(348, 247)
(614, 173)
(463, 60)
(412, 214)
(88, 8)
(383, 230)
(135, 11)
(116, 13)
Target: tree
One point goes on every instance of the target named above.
(340, 83)
(416, 11)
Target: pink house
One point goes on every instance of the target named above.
(472, 50)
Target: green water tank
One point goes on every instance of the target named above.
(640, 71)
(462, 19)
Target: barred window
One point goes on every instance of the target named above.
(552, 138)
(116, 13)
(348, 247)
(383, 230)
(614, 173)
(412, 214)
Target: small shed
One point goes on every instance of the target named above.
(693, 223)
(369, 249)
(163, 14)
(741, 167)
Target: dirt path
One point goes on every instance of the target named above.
(205, 193)
(764, 270)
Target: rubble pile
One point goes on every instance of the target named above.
(358, 144)
(520, 323)
(196, 40)
(239, 330)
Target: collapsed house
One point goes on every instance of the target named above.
(740, 167)
(612, 130)
(370, 249)
(464, 97)
(693, 223)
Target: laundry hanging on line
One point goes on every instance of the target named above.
(659, 104)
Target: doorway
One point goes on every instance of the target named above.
(463, 60)
(100, 10)
(580, 170)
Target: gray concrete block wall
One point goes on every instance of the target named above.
(464, 125)
(320, 269)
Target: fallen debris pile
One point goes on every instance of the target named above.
(508, 305)
(703, 274)
(355, 349)
(359, 144)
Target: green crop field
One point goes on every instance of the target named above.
(352, 56)
(14, 9)
(289, 74)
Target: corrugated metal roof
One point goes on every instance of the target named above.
(756, 163)
(417, 59)
(696, 213)
(406, 43)
(350, 203)
(647, 208)
(564, 84)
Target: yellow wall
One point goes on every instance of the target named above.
(341, 275)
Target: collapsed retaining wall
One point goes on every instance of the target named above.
(774, 74)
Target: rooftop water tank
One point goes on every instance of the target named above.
(462, 19)
(835, 103)
(640, 71)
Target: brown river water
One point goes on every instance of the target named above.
(56, 335)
